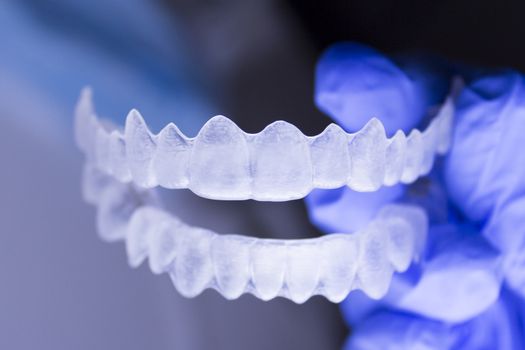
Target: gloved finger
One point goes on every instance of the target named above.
(460, 278)
(505, 229)
(497, 328)
(355, 83)
(388, 330)
(343, 210)
(485, 169)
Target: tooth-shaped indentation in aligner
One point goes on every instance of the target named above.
(414, 157)
(302, 273)
(374, 269)
(140, 149)
(401, 243)
(193, 268)
(116, 206)
(330, 160)
(406, 226)
(231, 263)
(268, 268)
(280, 163)
(162, 245)
(220, 161)
(436, 137)
(143, 222)
(429, 144)
(444, 128)
(339, 260)
(367, 151)
(172, 159)
(395, 158)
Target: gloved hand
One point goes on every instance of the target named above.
(485, 171)
(499, 327)
(472, 243)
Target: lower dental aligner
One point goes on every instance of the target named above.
(197, 258)
(277, 164)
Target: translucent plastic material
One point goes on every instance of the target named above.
(277, 164)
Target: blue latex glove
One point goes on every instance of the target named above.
(499, 327)
(490, 187)
(351, 79)
(461, 275)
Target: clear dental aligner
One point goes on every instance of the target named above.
(276, 164)
(197, 258)
(279, 163)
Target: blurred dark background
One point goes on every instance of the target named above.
(181, 61)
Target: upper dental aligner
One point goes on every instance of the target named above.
(276, 164)
(197, 258)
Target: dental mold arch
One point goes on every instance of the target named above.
(197, 258)
(123, 167)
(277, 164)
